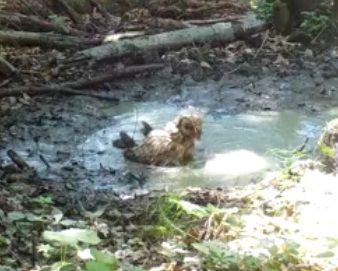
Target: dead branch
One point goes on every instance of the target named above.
(101, 9)
(72, 88)
(7, 68)
(76, 18)
(48, 40)
(55, 89)
(18, 160)
(29, 23)
(114, 74)
(216, 33)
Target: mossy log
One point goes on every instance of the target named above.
(216, 33)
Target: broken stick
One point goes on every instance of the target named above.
(18, 160)
(73, 88)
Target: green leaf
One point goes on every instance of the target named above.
(4, 241)
(93, 215)
(61, 266)
(326, 254)
(325, 149)
(104, 258)
(43, 200)
(98, 266)
(190, 208)
(72, 236)
(46, 250)
(5, 268)
(132, 268)
(14, 216)
(34, 218)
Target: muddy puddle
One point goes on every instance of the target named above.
(234, 149)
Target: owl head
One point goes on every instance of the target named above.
(189, 124)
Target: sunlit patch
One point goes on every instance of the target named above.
(262, 117)
(319, 192)
(113, 37)
(239, 162)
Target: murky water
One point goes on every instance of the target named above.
(233, 150)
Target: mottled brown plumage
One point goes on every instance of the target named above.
(172, 146)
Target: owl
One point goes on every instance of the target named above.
(171, 146)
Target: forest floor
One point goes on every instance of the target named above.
(286, 221)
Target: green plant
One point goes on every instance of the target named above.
(284, 255)
(217, 255)
(263, 9)
(178, 216)
(325, 149)
(74, 238)
(313, 23)
(43, 200)
(287, 157)
(102, 261)
(58, 20)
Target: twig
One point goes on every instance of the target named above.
(43, 159)
(73, 88)
(76, 18)
(301, 147)
(7, 68)
(114, 74)
(5, 82)
(318, 35)
(54, 90)
(263, 43)
(18, 160)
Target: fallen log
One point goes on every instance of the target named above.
(47, 40)
(29, 23)
(73, 87)
(216, 33)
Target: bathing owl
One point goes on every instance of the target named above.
(171, 146)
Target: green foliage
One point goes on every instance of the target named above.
(287, 157)
(178, 217)
(102, 261)
(313, 23)
(43, 200)
(217, 256)
(58, 20)
(325, 149)
(286, 254)
(72, 237)
(264, 9)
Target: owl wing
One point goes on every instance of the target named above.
(156, 149)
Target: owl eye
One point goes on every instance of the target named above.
(188, 126)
